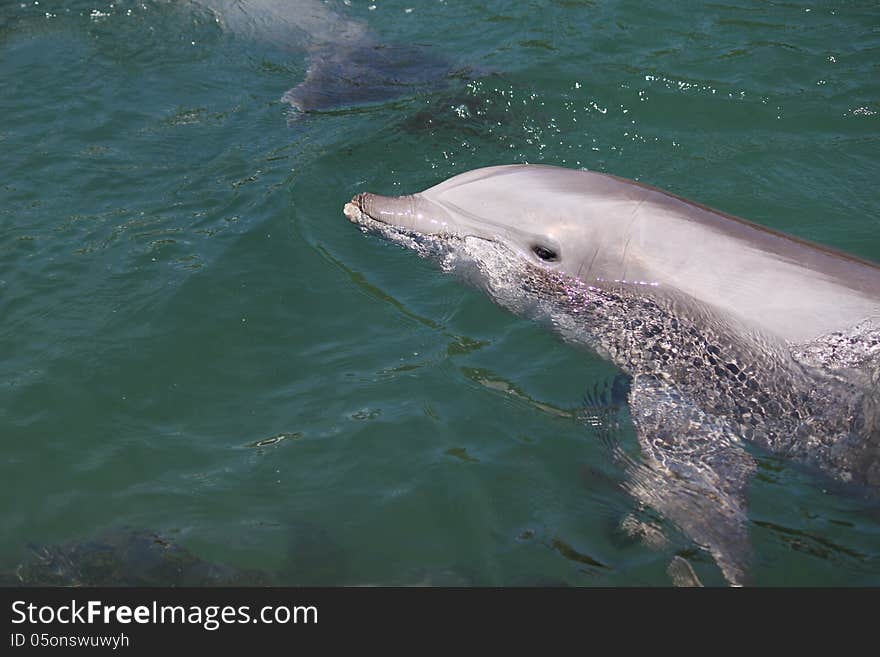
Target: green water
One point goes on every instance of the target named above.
(178, 283)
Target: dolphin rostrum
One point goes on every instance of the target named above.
(731, 332)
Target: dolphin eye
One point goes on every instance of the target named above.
(545, 253)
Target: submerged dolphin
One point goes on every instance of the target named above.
(732, 332)
(348, 64)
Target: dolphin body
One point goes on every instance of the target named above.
(348, 64)
(731, 332)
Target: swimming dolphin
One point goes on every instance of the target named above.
(731, 332)
(348, 64)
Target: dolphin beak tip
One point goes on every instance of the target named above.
(354, 209)
(352, 212)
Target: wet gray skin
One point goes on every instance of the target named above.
(348, 64)
(731, 332)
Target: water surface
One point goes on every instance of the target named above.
(195, 341)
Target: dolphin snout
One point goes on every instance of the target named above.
(392, 210)
(412, 212)
(356, 209)
(363, 206)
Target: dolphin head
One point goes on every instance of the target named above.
(538, 219)
(605, 231)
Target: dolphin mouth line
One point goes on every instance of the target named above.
(357, 213)
(421, 243)
(425, 245)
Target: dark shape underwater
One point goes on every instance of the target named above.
(126, 557)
